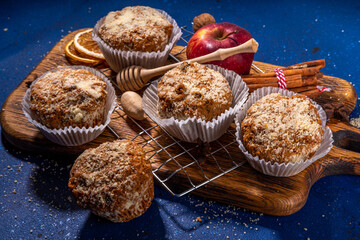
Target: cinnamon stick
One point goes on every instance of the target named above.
(297, 76)
(300, 68)
(320, 63)
(265, 80)
(287, 72)
(309, 80)
(293, 81)
(295, 89)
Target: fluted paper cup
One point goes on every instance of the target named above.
(194, 129)
(70, 136)
(118, 59)
(283, 169)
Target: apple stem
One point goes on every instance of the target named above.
(222, 38)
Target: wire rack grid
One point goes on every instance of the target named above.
(183, 167)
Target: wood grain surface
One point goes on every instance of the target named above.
(244, 186)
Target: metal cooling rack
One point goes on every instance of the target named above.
(182, 157)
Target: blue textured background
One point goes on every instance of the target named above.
(34, 199)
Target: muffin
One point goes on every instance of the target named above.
(113, 180)
(136, 28)
(193, 90)
(281, 129)
(139, 36)
(69, 97)
(201, 108)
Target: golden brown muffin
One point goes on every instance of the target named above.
(113, 180)
(282, 129)
(69, 97)
(137, 28)
(193, 90)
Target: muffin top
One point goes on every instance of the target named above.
(282, 129)
(113, 180)
(137, 28)
(193, 90)
(69, 97)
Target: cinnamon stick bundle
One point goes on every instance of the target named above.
(297, 75)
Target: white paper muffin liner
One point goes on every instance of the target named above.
(70, 136)
(283, 169)
(194, 129)
(118, 59)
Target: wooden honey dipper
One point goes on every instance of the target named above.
(135, 77)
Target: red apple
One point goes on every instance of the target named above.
(211, 37)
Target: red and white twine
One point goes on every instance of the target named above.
(281, 78)
(323, 89)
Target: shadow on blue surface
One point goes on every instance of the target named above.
(49, 178)
(96, 227)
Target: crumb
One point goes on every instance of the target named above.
(305, 229)
(355, 122)
(5, 29)
(31, 231)
(198, 219)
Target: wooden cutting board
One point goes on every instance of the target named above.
(244, 186)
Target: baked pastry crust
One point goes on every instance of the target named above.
(282, 129)
(136, 28)
(69, 97)
(192, 89)
(113, 180)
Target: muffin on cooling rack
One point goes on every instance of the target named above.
(282, 129)
(137, 35)
(193, 90)
(137, 28)
(113, 180)
(194, 102)
(69, 97)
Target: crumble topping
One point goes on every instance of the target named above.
(193, 90)
(282, 129)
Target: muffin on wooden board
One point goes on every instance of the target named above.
(136, 28)
(282, 129)
(69, 97)
(113, 180)
(193, 90)
(138, 35)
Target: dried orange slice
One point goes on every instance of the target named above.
(74, 55)
(85, 44)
